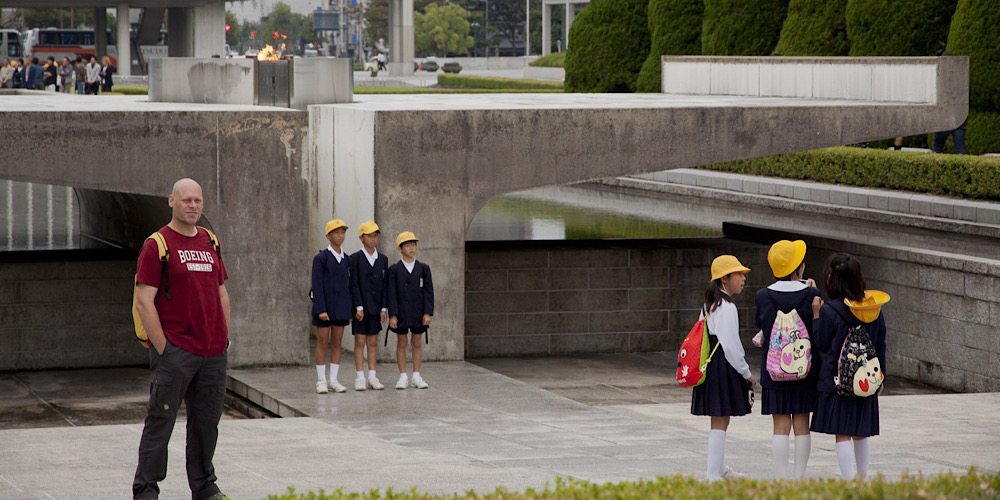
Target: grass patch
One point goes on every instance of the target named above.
(131, 89)
(960, 176)
(555, 60)
(974, 485)
(496, 83)
(439, 90)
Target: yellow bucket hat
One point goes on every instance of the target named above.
(726, 264)
(404, 237)
(786, 256)
(334, 224)
(868, 308)
(368, 228)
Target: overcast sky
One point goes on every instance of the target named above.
(253, 9)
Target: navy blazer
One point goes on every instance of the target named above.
(34, 75)
(411, 295)
(331, 286)
(368, 288)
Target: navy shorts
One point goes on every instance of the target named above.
(417, 330)
(333, 322)
(368, 326)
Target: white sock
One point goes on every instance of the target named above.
(403, 376)
(416, 374)
(334, 370)
(779, 445)
(845, 457)
(321, 372)
(361, 375)
(861, 456)
(371, 373)
(716, 454)
(803, 444)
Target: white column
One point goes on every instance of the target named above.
(210, 29)
(570, 14)
(546, 28)
(124, 42)
(401, 50)
(527, 28)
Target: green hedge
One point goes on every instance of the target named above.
(608, 42)
(495, 82)
(814, 28)
(742, 27)
(974, 485)
(131, 89)
(975, 32)
(962, 176)
(675, 29)
(898, 28)
(553, 60)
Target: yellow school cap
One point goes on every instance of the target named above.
(868, 308)
(334, 224)
(368, 228)
(723, 265)
(786, 256)
(404, 237)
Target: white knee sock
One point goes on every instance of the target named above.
(803, 444)
(716, 454)
(371, 374)
(845, 457)
(861, 456)
(321, 372)
(779, 445)
(334, 370)
(361, 375)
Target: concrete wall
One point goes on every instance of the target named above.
(67, 310)
(538, 298)
(944, 313)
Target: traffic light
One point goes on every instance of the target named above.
(253, 34)
(228, 27)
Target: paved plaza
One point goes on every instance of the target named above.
(598, 418)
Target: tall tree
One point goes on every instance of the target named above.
(235, 34)
(814, 28)
(675, 29)
(442, 30)
(742, 27)
(377, 21)
(608, 42)
(975, 31)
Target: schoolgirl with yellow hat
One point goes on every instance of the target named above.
(728, 382)
(851, 312)
(788, 386)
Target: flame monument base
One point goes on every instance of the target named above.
(288, 83)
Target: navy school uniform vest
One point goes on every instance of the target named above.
(331, 286)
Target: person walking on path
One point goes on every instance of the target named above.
(107, 70)
(368, 292)
(93, 76)
(67, 76)
(728, 381)
(331, 311)
(789, 402)
(411, 306)
(851, 418)
(184, 307)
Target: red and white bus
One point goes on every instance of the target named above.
(10, 44)
(59, 43)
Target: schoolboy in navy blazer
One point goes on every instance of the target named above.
(369, 292)
(411, 305)
(331, 288)
(332, 304)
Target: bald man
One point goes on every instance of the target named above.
(186, 314)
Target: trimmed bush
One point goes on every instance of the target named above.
(608, 42)
(131, 89)
(895, 28)
(974, 485)
(675, 29)
(814, 28)
(496, 82)
(961, 176)
(975, 32)
(553, 60)
(982, 135)
(742, 27)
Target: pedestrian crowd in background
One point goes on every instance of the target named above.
(66, 76)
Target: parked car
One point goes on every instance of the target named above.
(429, 65)
(451, 67)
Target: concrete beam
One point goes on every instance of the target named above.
(438, 159)
(250, 166)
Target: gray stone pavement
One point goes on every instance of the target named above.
(598, 418)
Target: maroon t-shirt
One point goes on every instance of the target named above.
(193, 318)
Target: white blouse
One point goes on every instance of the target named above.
(724, 323)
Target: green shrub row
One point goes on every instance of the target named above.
(974, 485)
(814, 28)
(894, 28)
(553, 60)
(131, 89)
(609, 41)
(961, 176)
(742, 27)
(674, 29)
(975, 32)
(495, 82)
(383, 90)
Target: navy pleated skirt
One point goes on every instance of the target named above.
(845, 415)
(787, 401)
(724, 393)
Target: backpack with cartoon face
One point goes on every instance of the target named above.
(789, 353)
(859, 371)
(693, 357)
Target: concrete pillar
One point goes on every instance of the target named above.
(570, 14)
(124, 42)
(180, 42)
(100, 33)
(546, 28)
(401, 51)
(210, 30)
